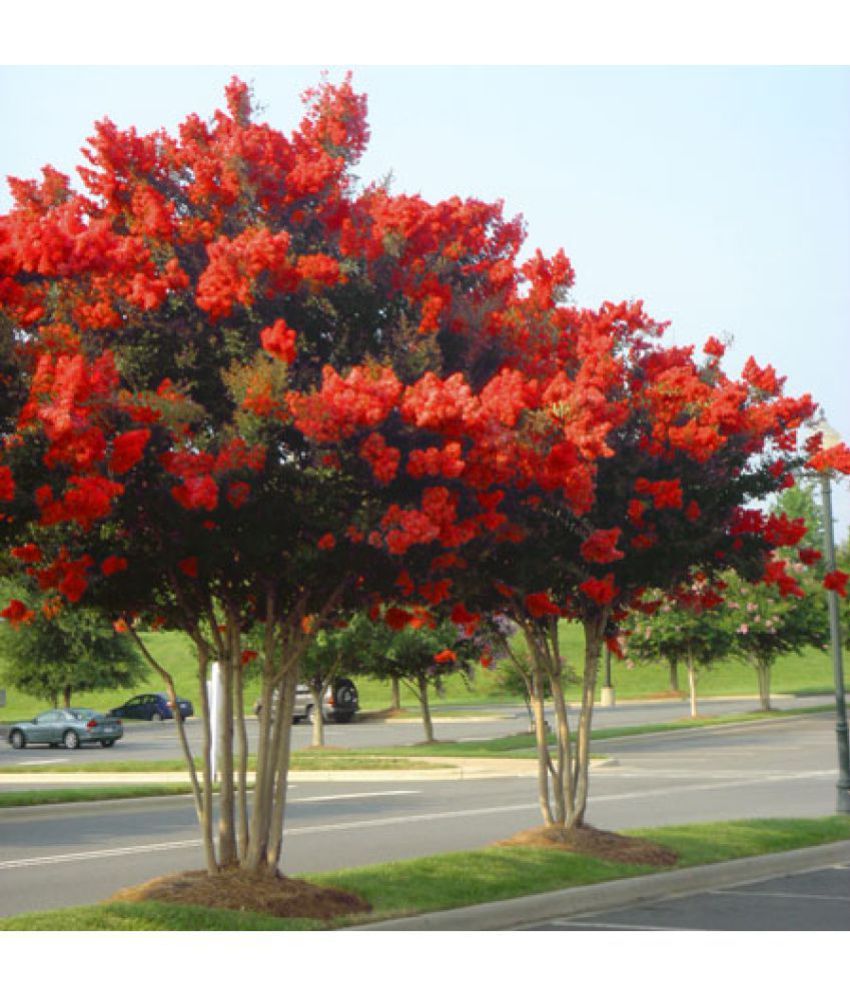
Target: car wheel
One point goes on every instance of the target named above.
(107, 742)
(344, 695)
(342, 718)
(308, 714)
(17, 739)
(156, 717)
(71, 740)
(296, 719)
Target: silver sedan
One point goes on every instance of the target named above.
(69, 727)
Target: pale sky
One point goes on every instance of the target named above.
(719, 196)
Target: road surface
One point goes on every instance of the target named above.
(66, 855)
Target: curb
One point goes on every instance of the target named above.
(451, 772)
(516, 912)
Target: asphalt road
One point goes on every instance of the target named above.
(76, 854)
(158, 741)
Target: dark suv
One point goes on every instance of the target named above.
(340, 705)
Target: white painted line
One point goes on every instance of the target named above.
(361, 794)
(578, 924)
(69, 858)
(780, 894)
(65, 858)
(34, 763)
(390, 821)
(748, 782)
(700, 775)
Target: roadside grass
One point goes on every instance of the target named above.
(808, 673)
(455, 880)
(301, 761)
(62, 796)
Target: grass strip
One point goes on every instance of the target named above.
(302, 761)
(455, 880)
(62, 796)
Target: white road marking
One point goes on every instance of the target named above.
(359, 794)
(699, 775)
(780, 894)
(577, 924)
(747, 782)
(64, 858)
(396, 820)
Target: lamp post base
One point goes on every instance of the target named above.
(842, 800)
(607, 697)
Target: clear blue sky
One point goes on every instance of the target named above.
(720, 196)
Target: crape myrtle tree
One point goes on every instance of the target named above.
(66, 653)
(765, 626)
(246, 392)
(684, 450)
(687, 628)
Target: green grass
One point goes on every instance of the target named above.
(809, 673)
(301, 761)
(455, 880)
(61, 796)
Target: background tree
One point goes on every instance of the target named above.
(765, 626)
(339, 650)
(420, 654)
(690, 628)
(62, 654)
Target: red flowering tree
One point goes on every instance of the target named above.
(683, 452)
(226, 365)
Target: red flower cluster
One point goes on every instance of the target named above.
(113, 565)
(837, 581)
(17, 613)
(7, 484)
(362, 399)
(279, 341)
(127, 449)
(665, 493)
(601, 591)
(436, 462)
(600, 547)
(836, 458)
(382, 458)
(540, 604)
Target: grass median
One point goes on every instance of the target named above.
(455, 880)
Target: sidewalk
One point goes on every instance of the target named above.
(517, 913)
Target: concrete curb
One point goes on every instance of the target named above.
(598, 897)
(457, 769)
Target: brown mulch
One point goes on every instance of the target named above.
(236, 889)
(593, 842)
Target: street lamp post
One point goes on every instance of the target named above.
(842, 787)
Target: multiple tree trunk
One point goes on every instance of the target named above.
(563, 768)
(248, 837)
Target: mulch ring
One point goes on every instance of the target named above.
(595, 843)
(244, 892)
